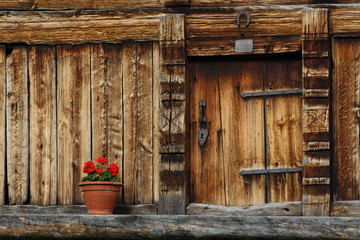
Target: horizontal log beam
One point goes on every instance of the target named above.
(270, 209)
(74, 27)
(177, 227)
(345, 208)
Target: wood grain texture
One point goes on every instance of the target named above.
(346, 95)
(73, 64)
(2, 124)
(82, 4)
(220, 3)
(269, 209)
(74, 27)
(43, 147)
(172, 114)
(81, 226)
(17, 123)
(107, 105)
(345, 208)
(138, 123)
(283, 128)
(272, 30)
(344, 21)
(316, 123)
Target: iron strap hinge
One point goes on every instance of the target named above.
(270, 171)
(271, 93)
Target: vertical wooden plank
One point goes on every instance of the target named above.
(107, 105)
(346, 102)
(17, 125)
(156, 110)
(316, 130)
(172, 114)
(242, 130)
(74, 136)
(207, 161)
(283, 128)
(2, 123)
(138, 122)
(43, 158)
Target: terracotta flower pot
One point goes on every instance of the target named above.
(100, 197)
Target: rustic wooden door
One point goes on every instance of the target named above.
(245, 133)
(346, 116)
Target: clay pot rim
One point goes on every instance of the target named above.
(100, 183)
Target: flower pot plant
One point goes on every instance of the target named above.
(101, 186)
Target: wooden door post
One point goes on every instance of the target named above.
(316, 102)
(172, 114)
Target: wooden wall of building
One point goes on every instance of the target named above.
(64, 105)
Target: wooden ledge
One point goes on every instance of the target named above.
(37, 226)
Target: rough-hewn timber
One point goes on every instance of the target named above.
(270, 209)
(74, 27)
(316, 130)
(176, 227)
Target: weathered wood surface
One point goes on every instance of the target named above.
(74, 27)
(74, 139)
(345, 208)
(172, 114)
(176, 227)
(138, 122)
(140, 209)
(272, 30)
(220, 3)
(346, 95)
(316, 123)
(245, 133)
(43, 159)
(2, 124)
(283, 128)
(344, 21)
(270, 209)
(17, 123)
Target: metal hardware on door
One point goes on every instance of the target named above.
(357, 109)
(246, 14)
(270, 171)
(203, 132)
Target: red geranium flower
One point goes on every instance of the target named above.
(99, 171)
(113, 169)
(89, 167)
(102, 160)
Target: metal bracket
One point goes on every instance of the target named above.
(270, 171)
(203, 132)
(271, 93)
(248, 18)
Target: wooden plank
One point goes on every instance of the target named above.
(156, 119)
(262, 45)
(17, 123)
(176, 3)
(272, 31)
(283, 128)
(2, 124)
(346, 93)
(107, 105)
(316, 123)
(241, 129)
(345, 208)
(74, 27)
(269, 209)
(43, 158)
(73, 74)
(81, 4)
(344, 21)
(220, 3)
(84, 226)
(172, 114)
(138, 123)
(207, 176)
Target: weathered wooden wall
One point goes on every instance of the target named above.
(66, 105)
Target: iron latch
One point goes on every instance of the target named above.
(203, 132)
(270, 171)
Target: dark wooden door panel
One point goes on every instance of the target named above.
(245, 133)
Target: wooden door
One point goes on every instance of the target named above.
(346, 115)
(245, 133)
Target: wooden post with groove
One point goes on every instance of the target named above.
(316, 102)
(172, 114)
